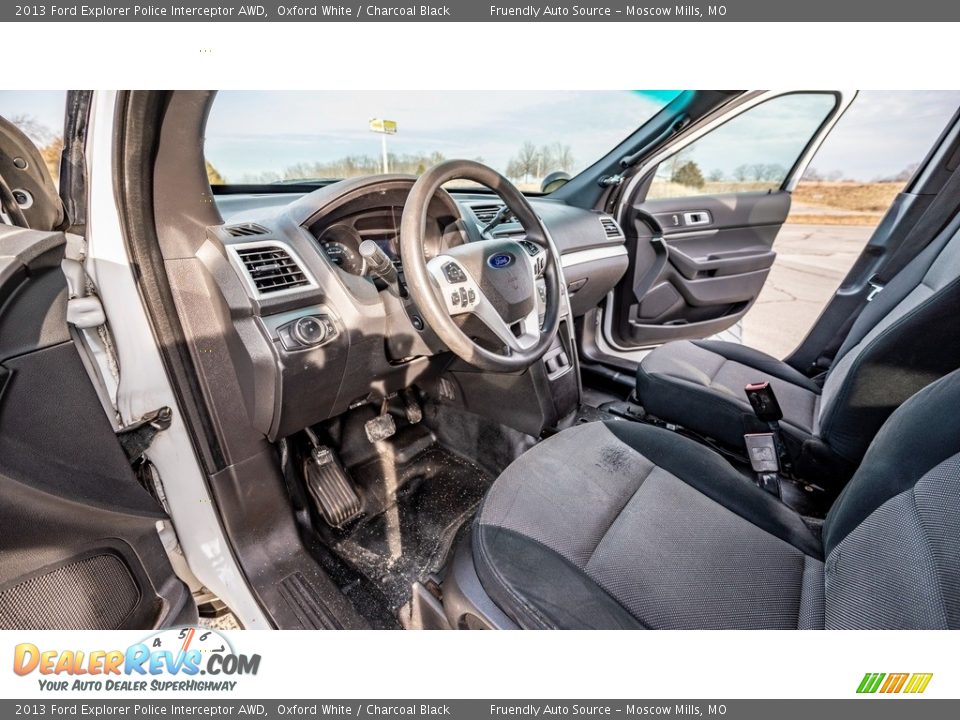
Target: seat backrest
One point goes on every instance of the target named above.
(892, 538)
(906, 338)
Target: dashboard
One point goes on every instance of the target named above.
(339, 236)
(315, 332)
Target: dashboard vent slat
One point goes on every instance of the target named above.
(610, 227)
(246, 230)
(272, 269)
(485, 213)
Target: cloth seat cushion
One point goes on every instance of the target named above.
(699, 384)
(619, 525)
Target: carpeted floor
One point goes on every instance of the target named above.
(414, 508)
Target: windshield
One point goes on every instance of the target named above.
(277, 137)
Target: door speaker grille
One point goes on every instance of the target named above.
(95, 593)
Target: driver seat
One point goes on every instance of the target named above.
(625, 525)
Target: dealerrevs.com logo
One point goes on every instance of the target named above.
(183, 659)
(893, 683)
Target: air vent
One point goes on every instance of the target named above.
(610, 227)
(246, 230)
(271, 268)
(486, 213)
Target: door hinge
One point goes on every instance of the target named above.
(136, 437)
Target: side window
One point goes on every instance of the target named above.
(754, 151)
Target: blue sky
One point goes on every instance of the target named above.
(883, 132)
(255, 131)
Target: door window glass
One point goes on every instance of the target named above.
(755, 151)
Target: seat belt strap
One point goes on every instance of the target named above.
(924, 232)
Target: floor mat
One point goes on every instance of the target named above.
(415, 508)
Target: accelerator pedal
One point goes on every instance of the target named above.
(330, 487)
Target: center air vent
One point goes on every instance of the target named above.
(610, 227)
(486, 213)
(272, 268)
(245, 230)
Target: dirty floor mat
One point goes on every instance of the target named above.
(415, 509)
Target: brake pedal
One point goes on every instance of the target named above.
(330, 487)
(382, 426)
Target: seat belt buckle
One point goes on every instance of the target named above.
(767, 409)
(876, 287)
(764, 456)
(764, 402)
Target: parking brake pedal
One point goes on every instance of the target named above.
(330, 487)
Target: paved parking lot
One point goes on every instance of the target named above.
(811, 262)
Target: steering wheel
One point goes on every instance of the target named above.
(493, 280)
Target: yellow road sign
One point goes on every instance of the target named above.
(387, 127)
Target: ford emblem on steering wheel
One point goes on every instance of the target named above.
(500, 260)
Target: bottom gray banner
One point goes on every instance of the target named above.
(875, 708)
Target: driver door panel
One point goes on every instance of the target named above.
(79, 547)
(698, 264)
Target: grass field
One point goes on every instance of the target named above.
(842, 203)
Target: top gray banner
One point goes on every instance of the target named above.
(482, 11)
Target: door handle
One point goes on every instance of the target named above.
(697, 217)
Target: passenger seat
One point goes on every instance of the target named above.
(906, 337)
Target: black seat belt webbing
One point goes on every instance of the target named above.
(927, 229)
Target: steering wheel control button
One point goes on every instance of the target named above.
(455, 298)
(471, 296)
(454, 273)
(306, 332)
(463, 297)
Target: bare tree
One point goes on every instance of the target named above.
(758, 172)
(526, 160)
(545, 161)
(49, 143)
(33, 129)
(562, 157)
(775, 172)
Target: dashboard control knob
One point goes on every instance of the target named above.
(309, 330)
